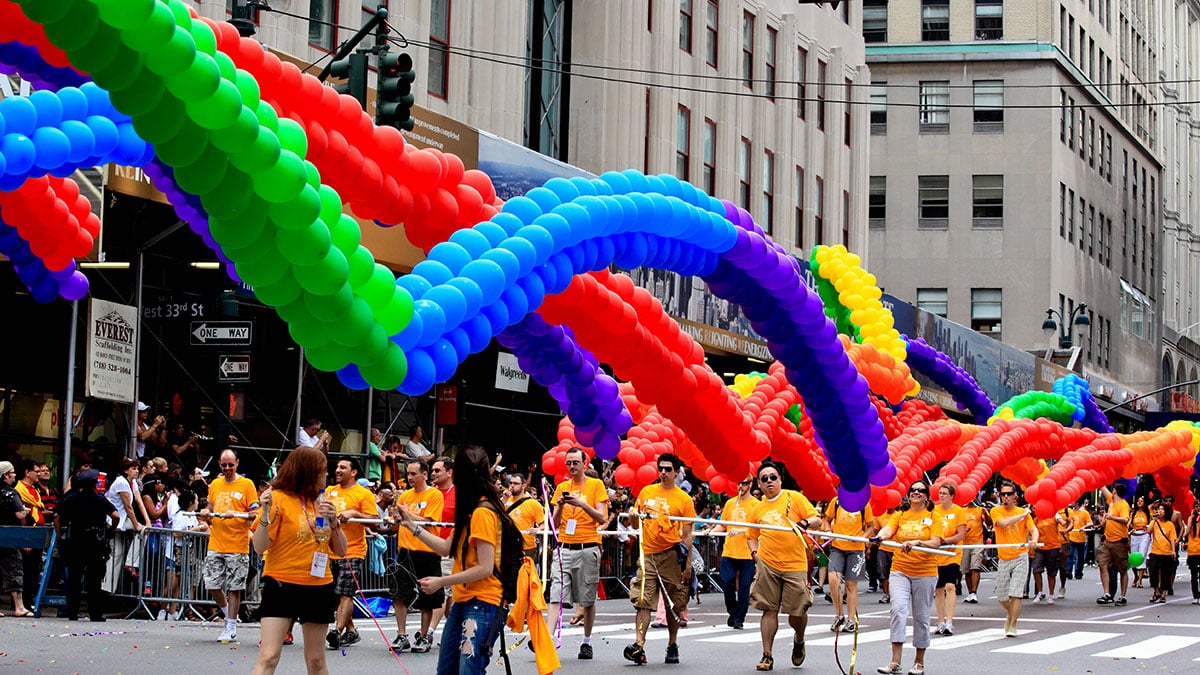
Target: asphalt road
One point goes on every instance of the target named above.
(1074, 636)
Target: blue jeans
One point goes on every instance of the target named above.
(462, 655)
(1075, 559)
(736, 576)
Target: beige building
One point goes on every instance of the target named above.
(1016, 167)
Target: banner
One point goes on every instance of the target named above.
(509, 375)
(111, 351)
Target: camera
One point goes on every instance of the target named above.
(200, 437)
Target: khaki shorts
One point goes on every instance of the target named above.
(786, 592)
(1113, 554)
(660, 569)
(972, 560)
(575, 575)
(227, 571)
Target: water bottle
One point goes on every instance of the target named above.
(322, 531)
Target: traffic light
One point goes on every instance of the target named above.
(353, 69)
(395, 99)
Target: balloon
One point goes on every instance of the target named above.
(1136, 559)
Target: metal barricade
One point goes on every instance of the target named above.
(618, 561)
(709, 546)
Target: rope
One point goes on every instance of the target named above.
(378, 627)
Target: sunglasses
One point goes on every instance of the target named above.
(1007, 494)
(666, 468)
(923, 491)
(228, 466)
(745, 482)
(771, 478)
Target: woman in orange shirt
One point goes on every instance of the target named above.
(1139, 539)
(1193, 550)
(299, 529)
(475, 619)
(1163, 543)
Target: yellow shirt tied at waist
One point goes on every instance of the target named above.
(737, 510)
(355, 498)
(485, 527)
(783, 551)
(527, 516)
(1017, 533)
(426, 504)
(851, 523)
(1114, 531)
(231, 535)
(948, 521)
(577, 526)
(293, 545)
(914, 526)
(657, 504)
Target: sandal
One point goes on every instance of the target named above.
(892, 668)
(917, 669)
(24, 615)
(767, 663)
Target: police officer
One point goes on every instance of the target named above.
(83, 522)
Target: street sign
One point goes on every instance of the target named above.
(222, 333)
(233, 368)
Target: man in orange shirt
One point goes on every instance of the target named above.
(1081, 525)
(352, 501)
(1014, 525)
(414, 559)
(972, 558)
(666, 556)
(580, 508)
(737, 565)
(525, 512)
(230, 498)
(1047, 558)
(1114, 550)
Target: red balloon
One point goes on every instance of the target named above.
(625, 476)
(647, 473)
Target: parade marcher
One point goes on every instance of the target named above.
(83, 520)
(475, 618)
(972, 558)
(1014, 525)
(1064, 549)
(580, 507)
(666, 556)
(1192, 527)
(1047, 558)
(952, 521)
(441, 474)
(1113, 554)
(352, 501)
(1163, 549)
(526, 511)
(13, 511)
(737, 565)
(847, 560)
(297, 531)
(1172, 514)
(781, 573)
(913, 577)
(228, 561)
(414, 560)
(1139, 539)
(1081, 526)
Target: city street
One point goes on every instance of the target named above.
(1073, 636)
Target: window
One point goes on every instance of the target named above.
(772, 39)
(935, 107)
(846, 108)
(801, 81)
(935, 20)
(748, 49)
(877, 203)
(683, 144)
(1091, 244)
(1071, 123)
(439, 48)
(933, 202)
(1062, 210)
(846, 218)
(1070, 216)
(710, 157)
(768, 192)
(685, 25)
(322, 17)
(819, 211)
(712, 14)
(987, 305)
(987, 201)
(1062, 115)
(878, 108)
(798, 188)
(1091, 153)
(989, 20)
(744, 174)
(933, 300)
(1108, 157)
(822, 67)
(646, 135)
(989, 105)
(875, 18)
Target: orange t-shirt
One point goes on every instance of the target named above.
(783, 551)
(852, 523)
(948, 521)
(1140, 521)
(356, 498)
(231, 535)
(485, 527)
(1017, 533)
(1163, 538)
(585, 528)
(1114, 531)
(1048, 534)
(1080, 519)
(527, 516)
(974, 517)
(427, 504)
(737, 510)
(659, 532)
(914, 526)
(1193, 542)
(292, 542)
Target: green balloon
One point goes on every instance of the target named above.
(247, 86)
(234, 232)
(259, 155)
(152, 34)
(311, 175)
(201, 176)
(237, 138)
(226, 65)
(292, 136)
(329, 357)
(267, 116)
(99, 51)
(263, 271)
(372, 348)
(219, 111)
(362, 266)
(174, 57)
(282, 292)
(305, 246)
(206, 40)
(294, 311)
(322, 278)
(345, 231)
(327, 304)
(235, 200)
(1136, 559)
(76, 29)
(183, 15)
(125, 14)
(48, 12)
(351, 327)
(141, 96)
(378, 289)
(284, 181)
(308, 333)
(292, 215)
(199, 82)
(388, 373)
(165, 123)
(185, 147)
(396, 316)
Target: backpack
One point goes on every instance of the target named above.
(512, 556)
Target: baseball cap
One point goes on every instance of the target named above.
(5, 467)
(142, 407)
(88, 475)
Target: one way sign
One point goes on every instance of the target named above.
(234, 368)
(222, 333)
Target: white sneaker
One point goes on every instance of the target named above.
(1049, 599)
(1039, 598)
(228, 635)
(971, 598)
(948, 629)
(1062, 593)
(941, 628)
(162, 615)
(175, 616)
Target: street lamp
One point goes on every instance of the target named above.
(1078, 317)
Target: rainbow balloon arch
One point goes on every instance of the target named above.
(263, 162)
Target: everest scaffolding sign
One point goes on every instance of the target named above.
(111, 351)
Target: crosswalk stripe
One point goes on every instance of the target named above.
(869, 636)
(977, 637)
(687, 633)
(1058, 643)
(751, 636)
(1150, 648)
